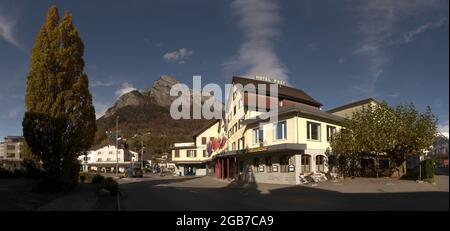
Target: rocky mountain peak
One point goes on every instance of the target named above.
(132, 98)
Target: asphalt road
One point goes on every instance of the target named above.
(156, 193)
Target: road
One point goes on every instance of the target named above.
(157, 193)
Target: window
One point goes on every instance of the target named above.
(258, 135)
(118, 159)
(233, 146)
(306, 163)
(241, 143)
(280, 130)
(108, 159)
(99, 159)
(284, 163)
(234, 110)
(10, 155)
(99, 153)
(177, 153)
(320, 167)
(269, 164)
(191, 153)
(204, 153)
(313, 131)
(110, 153)
(10, 147)
(330, 132)
(203, 140)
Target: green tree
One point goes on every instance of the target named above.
(59, 123)
(376, 131)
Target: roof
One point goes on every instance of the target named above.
(204, 128)
(354, 104)
(301, 110)
(283, 91)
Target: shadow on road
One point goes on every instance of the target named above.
(163, 195)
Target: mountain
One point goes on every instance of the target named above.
(148, 112)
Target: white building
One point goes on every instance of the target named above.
(11, 152)
(107, 158)
(253, 149)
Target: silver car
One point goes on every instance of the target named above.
(134, 172)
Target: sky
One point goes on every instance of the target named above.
(336, 51)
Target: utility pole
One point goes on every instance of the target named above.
(142, 152)
(117, 145)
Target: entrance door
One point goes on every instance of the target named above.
(189, 171)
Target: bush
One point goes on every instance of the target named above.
(427, 169)
(4, 173)
(109, 184)
(32, 169)
(97, 178)
(82, 178)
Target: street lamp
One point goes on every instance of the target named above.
(117, 145)
(142, 147)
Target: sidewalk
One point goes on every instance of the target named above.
(83, 198)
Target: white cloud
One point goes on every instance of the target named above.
(180, 56)
(396, 94)
(410, 35)
(99, 83)
(125, 88)
(341, 60)
(259, 21)
(443, 129)
(7, 27)
(381, 24)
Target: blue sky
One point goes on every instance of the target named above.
(337, 51)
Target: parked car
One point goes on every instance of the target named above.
(134, 172)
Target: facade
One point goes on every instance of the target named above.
(104, 159)
(244, 146)
(348, 109)
(11, 152)
(192, 158)
(280, 152)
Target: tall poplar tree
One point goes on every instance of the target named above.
(59, 123)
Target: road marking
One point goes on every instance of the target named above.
(192, 191)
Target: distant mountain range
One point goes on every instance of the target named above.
(148, 112)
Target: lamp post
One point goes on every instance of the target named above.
(142, 146)
(117, 145)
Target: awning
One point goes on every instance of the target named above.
(287, 147)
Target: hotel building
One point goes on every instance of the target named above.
(247, 147)
(105, 159)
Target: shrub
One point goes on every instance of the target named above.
(4, 173)
(82, 178)
(32, 169)
(427, 169)
(97, 178)
(109, 184)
